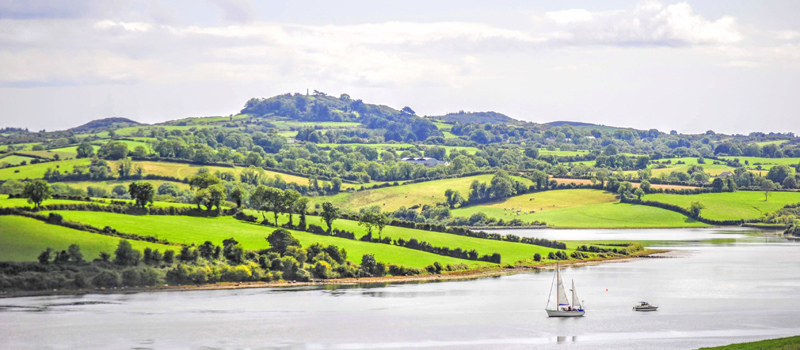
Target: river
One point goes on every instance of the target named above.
(738, 288)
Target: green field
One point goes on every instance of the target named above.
(731, 206)
(5, 202)
(615, 215)
(72, 151)
(36, 171)
(110, 184)
(131, 145)
(766, 163)
(790, 343)
(392, 198)
(538, 202)
(185, 229)
(709, 167)
(15, 160)
(560, 153)
(22, 239)
(776, 142)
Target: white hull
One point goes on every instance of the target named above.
(646, 308)
(562, 313)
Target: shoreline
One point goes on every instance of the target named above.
(447, 277)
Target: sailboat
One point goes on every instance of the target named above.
(563, 307)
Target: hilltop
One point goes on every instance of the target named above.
(475, 117)
(106, 123)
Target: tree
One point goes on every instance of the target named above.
(280, 240)
(12, 187)
(645, 186)
(113, 150)
(273, 200)
(44, 257)
(85, 150)
(142, 192)
(789, 182)
(37, 192)
(532, 152)
(695, 209)
(300, 207)
(203, 181)
(717, 185)
(779, 173)
(125, 255)
(290, 197)
(610, 150)
(75, 254)
(367, 218)
(124, 167)
(639, 193)
(210, 197)
(238, 193)
(329, 214)
(767, 186)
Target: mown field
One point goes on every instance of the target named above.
(15, 160)
(110, 184)
(615, 215)
(766, 163)
(392, 198)
(635, 185)
(709, 167)
(5, 202)
(187, 230)
(36, 171)
(22, 239)
(731, 206)
(538, 202)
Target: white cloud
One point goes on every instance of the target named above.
(787, 34)
(570, 16)
(129, 26)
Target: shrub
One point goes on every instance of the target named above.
(537, 257)
(106, 278)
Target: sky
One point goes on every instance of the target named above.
(728, 66)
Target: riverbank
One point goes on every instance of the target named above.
(451, 276)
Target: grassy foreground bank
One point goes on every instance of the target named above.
(790, 343)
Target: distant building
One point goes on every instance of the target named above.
(426, 161)
(725, 174)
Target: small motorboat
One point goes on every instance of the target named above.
(645, 306)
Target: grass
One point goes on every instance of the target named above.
(5, 202)
(776, 142)
(709, 167)
(449, 135)
(790, 343)
(72, 151)
(185, 229)
(538, 202)
(392, 198)
(560, 153)
(36, 171)
(766, 163)
(110, 184)
(731, 206)
(15, 160)
(131, 145)
(615, 215)
(22, 239)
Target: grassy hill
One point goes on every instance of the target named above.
(22, 239)
(731, 206)
(475, 117)
(392, 198)
(538, 202)
(251, 236)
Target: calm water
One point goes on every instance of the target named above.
(709, 294)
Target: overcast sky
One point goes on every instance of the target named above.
(729, 66)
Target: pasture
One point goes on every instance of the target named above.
(527, 205)
(187, 230)
(731, 206)
(36, 171)
(394, 197)
(615, 215)
(22, 239)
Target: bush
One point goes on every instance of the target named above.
(537, 257)
(106, 278)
